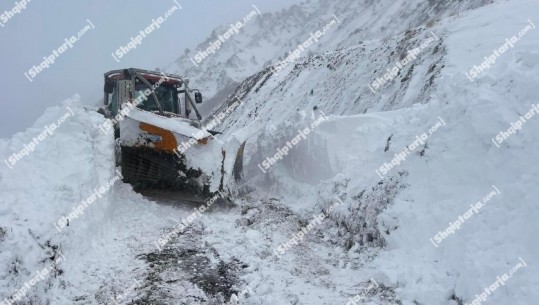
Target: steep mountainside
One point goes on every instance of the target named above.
(271, 37)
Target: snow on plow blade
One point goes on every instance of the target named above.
(169, 152)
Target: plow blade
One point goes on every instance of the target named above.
(171, 153)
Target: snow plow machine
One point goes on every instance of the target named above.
(159, 145)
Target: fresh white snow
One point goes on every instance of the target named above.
(387, 229)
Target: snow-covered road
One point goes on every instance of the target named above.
(229, 250)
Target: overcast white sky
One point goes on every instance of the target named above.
(42, 27)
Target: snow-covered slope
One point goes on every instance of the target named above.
(271, 37)
(461, 160)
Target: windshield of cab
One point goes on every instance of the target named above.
(167, 97)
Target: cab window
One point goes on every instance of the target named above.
(166, 96)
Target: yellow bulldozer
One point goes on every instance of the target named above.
(160, 139)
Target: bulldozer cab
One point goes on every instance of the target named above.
(150, 91)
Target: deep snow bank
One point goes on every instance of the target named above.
(464, 165)
(69, 165)
(410, 207)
